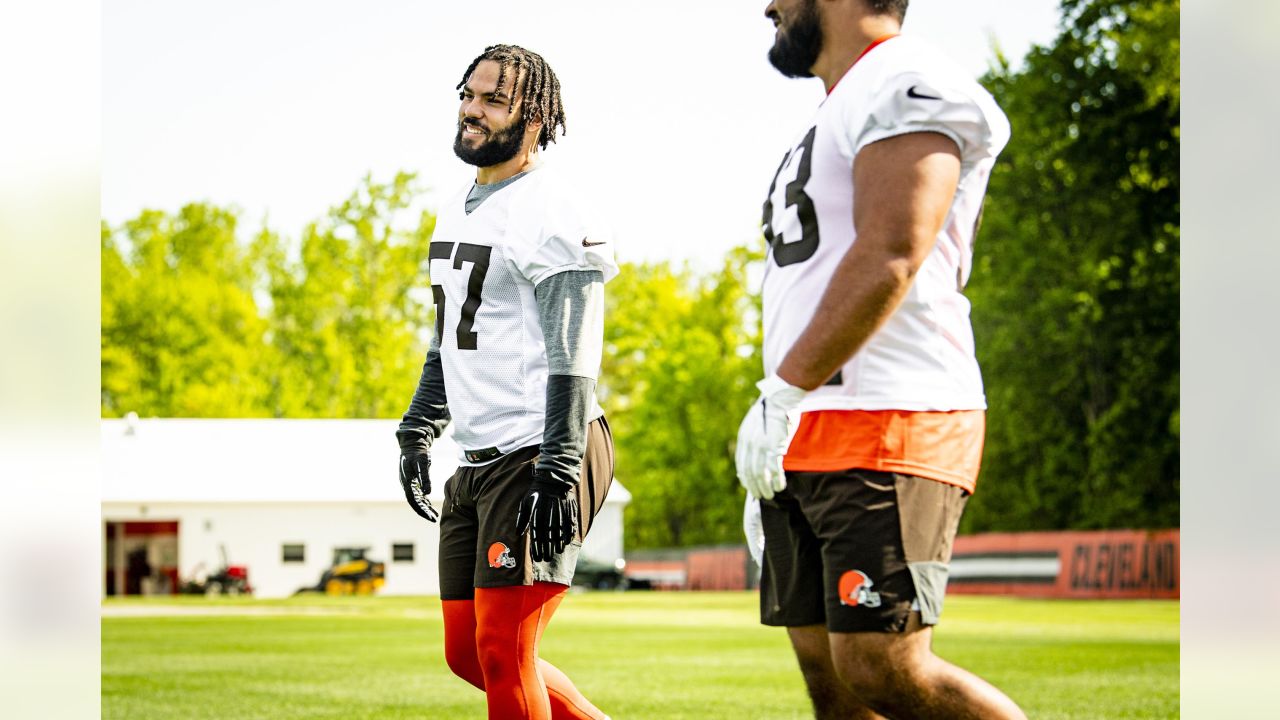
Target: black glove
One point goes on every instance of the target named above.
(549, 513)
(414, 465)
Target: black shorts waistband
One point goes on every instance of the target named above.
(483, 455)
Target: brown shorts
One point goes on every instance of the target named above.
(478, 542)
(857, 550)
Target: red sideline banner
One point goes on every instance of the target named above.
(657, 574)
(718, 569)
(705, 568)
(1103, 564)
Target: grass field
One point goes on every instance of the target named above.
(642, 656)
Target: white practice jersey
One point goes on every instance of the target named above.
(923, 357)
(484, 267)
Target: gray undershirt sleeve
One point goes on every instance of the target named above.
(571, 311)
(428, 412)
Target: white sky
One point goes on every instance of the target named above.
(278, 107)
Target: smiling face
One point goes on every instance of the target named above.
(491, 129)
(798, 39)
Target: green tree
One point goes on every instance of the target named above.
(1075, 291)
(348, 313)
(181, 333)
(196, 323)
(681, 354)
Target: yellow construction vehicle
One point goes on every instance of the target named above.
(351, 574)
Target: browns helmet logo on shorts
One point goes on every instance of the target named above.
(500, 556)
(855, 589)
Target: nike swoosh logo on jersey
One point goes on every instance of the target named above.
(588, 243)
(911, 93)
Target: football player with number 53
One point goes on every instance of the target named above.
(518, 281)
(866, 439)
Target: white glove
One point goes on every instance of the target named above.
(764, 436)
(753, 528)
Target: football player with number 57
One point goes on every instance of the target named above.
(518, 280)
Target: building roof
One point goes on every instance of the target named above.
(255, 460)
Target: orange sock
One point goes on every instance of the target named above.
(566, 702)
(492, 643)
(460, 640)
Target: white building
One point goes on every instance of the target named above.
(281, 497)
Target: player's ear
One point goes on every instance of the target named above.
(535, 123)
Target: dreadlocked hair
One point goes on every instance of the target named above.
(540, 88)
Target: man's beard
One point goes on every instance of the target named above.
(498, 146)
(797, 45)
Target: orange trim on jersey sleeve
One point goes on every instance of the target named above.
(942, 446)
